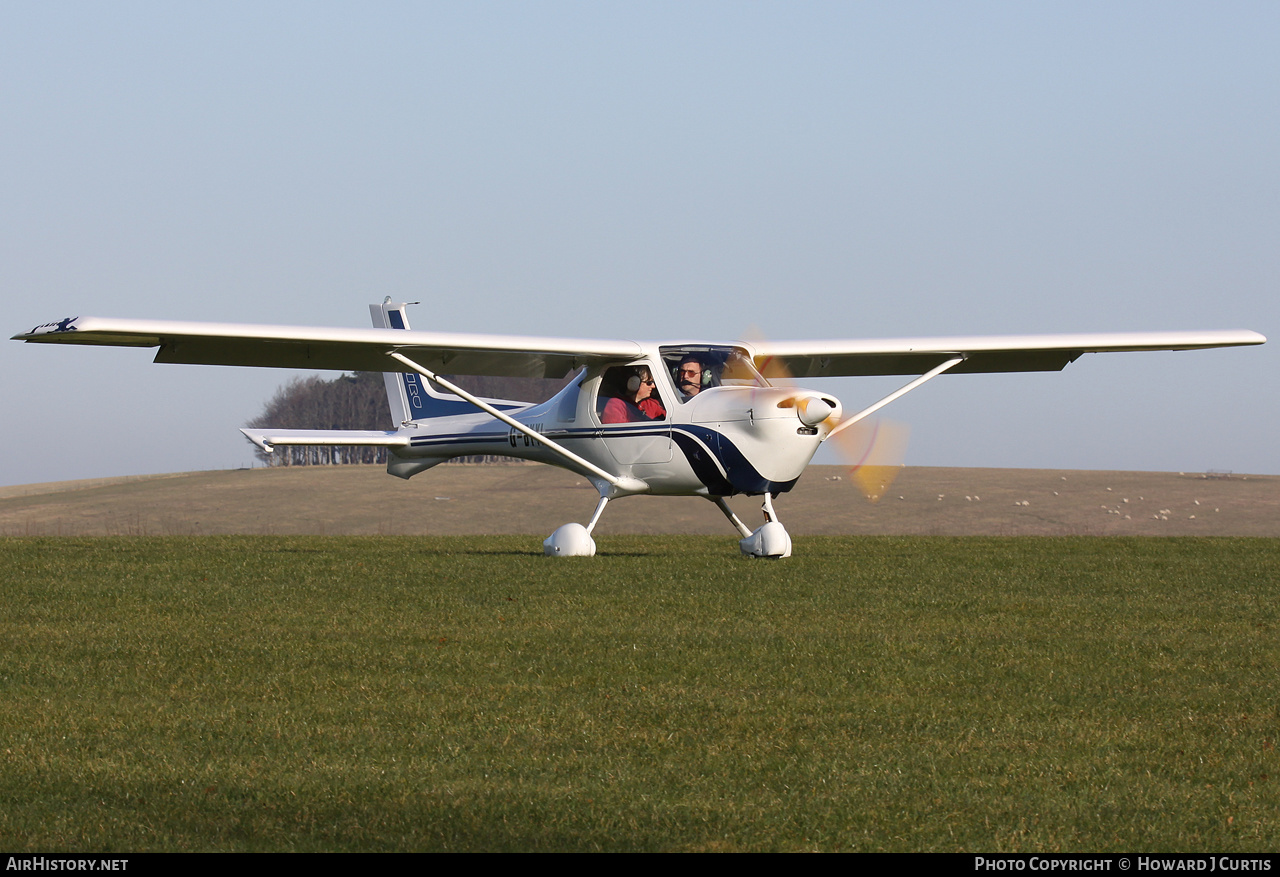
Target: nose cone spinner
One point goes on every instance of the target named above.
(814, 409)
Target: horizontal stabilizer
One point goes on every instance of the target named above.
(268, 439)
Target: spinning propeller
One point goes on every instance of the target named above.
(873, 448)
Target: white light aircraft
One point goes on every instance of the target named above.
(668, 419)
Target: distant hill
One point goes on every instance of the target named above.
(532, 499)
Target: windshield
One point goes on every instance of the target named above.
(698, 367)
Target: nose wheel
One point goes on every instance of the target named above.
(770, 540)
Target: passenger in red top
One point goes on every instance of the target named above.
(639, 404)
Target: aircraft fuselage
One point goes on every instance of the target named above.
(723, 441)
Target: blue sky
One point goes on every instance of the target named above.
(650, 170)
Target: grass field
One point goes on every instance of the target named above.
(451, 693)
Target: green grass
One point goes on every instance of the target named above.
(298, 693)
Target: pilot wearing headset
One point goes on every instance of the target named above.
(692, 375)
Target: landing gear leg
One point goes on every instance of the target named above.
(733, 519)
(574, 540)
(595, 516)
(767, 507)
(771, 540)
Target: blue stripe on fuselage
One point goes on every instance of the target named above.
(739, 476)
(717, 462)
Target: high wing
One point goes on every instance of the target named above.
(528, 356)
(982, 353)
(343, 349)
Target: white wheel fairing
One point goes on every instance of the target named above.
(569, 540)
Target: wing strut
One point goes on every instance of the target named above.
(509, 421)
(929, 375)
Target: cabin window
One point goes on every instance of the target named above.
(629, 394)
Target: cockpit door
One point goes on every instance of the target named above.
(630, 430)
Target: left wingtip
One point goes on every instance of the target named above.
(66, 324)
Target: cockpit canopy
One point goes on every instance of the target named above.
(716, 366)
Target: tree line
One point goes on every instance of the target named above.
(359, 401)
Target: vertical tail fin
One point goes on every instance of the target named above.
(400, 387)
(410, 396)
